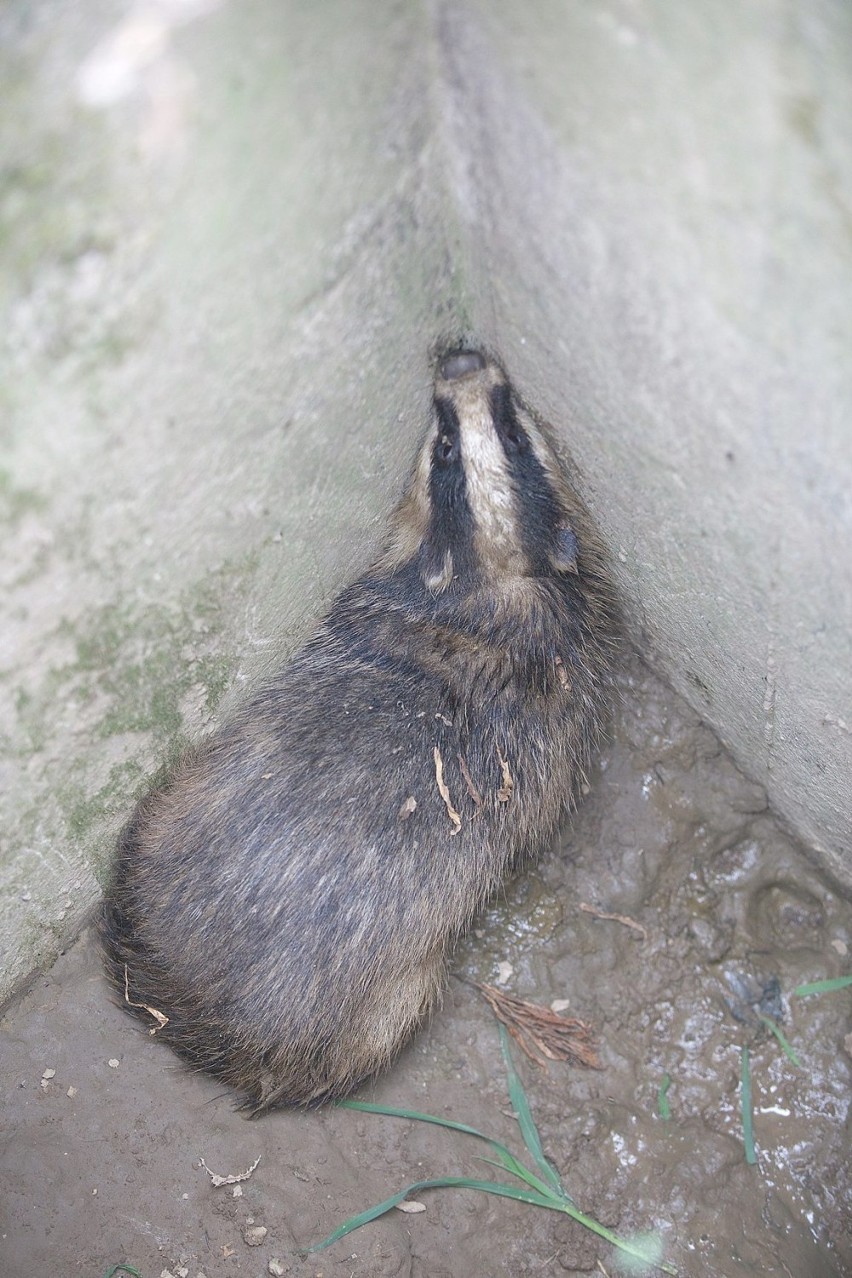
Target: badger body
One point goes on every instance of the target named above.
(289, 898)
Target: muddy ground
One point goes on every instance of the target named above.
(103, 1132)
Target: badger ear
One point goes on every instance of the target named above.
(563, 555)
(436, 570)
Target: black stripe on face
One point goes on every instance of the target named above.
(451, 525)
(510, 432)
(446, 450)
(539, 515)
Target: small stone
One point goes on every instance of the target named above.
(113, 1063)
(254, 1235)
(840, 947)
(410, 1206)
(560, 1005)
(49, 1073)
(505, 971)
(72, 1092)
(237, 1191)
(711, 938)
(275, 1268)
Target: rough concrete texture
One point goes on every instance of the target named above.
(658, 209)
(232, 232)
(224, 260)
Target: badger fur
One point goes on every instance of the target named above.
(289, 898)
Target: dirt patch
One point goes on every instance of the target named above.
(101, 1157)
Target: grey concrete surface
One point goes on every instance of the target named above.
(230, 235)
(658, 214)
(224, 259)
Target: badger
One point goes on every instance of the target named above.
(286, 902)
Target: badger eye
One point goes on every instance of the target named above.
(447, 449)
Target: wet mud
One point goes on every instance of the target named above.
(722, 916)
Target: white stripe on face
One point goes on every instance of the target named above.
(490, 493)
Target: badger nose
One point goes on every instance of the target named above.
(460, 364)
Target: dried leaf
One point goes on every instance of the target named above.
(408, 806)
(504, 794)
(410, 1206)
(542, 1034)
(160, 1017)
(444, 792)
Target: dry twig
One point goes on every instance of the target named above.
(468, 780)
(229, 1180)
(615, 918)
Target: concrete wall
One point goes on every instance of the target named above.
(658, 203)
(231, 232)
(224, 259)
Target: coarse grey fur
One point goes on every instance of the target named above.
(289, 897)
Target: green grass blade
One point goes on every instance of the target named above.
(440, 1182)
(122, 1269)
(745, 1105)
(638, 1250)
(507, 1158)
(823, 987)
(508, 1161)
(391, 1111)
(664, 1109)
(776, 1030)
(520, 1104)
(646, 1250)
(529, 1178)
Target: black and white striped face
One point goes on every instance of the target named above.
(488, 491)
